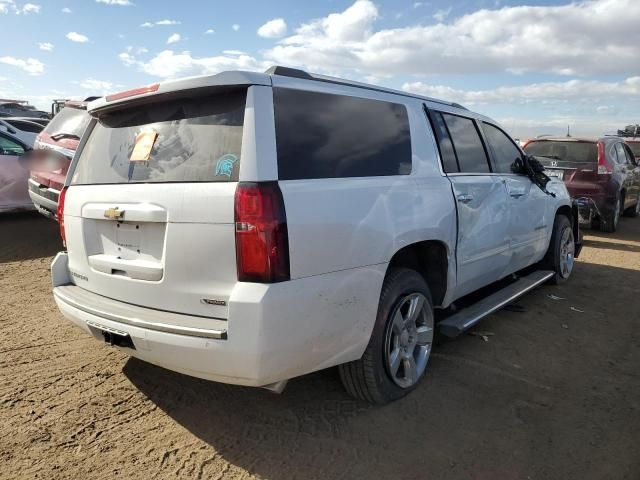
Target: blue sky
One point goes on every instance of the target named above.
(536, 67)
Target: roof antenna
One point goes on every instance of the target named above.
(568, 131)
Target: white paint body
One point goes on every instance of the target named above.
(342, 234)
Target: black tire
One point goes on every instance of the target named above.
(368, 378)
(609, 224)
(553, 257)
(635, 210)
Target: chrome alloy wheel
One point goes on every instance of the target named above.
(408, 339)
(567, 252)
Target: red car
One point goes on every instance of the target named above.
(602, 175)
(52, 153)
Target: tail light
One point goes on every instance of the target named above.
(603, 166)
(60, 214)
(262, 240)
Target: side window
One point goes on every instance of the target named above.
(504, 150)
(26, 126)
(321, 135)
(9, 147)
(467, 143)
(631, 158)
(447, 153)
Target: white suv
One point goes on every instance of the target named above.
(249, 228)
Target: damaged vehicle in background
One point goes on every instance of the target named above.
(602, 176)
(25, 130)
(52, 153)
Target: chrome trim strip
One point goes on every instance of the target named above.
(134, 322)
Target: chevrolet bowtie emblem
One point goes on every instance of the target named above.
(114, 213)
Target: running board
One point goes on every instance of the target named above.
(468, 317)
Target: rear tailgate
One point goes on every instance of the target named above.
(572, 161)
(149, 215)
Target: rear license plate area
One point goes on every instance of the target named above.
(555, 173)
(112, 336)
(128, 240)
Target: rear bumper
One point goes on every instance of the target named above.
(44, 199)
(273, 333)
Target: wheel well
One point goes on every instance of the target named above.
(566, 211)
(429, 259)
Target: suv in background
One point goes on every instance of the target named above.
(25, 130)
(249, 228)
(53, 150)
(601, 174)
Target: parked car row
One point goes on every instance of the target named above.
(249, 228)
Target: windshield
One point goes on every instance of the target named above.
(577, 152)
(185, 140)
(69, 121)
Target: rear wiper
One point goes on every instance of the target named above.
(58, 136)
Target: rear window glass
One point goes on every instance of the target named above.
(70, 121)
(320, 135)
(578, 152)
(448, 155)
(188, 140)
(466, 140)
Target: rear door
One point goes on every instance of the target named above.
(574, 162)
(529, 225)
(483, 254)
(149, 214)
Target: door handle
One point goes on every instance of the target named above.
(517, 194)
(465, 197)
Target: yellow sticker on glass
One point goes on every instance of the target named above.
(144, 144)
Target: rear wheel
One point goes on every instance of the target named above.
(609, 224)
(561, 254)
(396, 358)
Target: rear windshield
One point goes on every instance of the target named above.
(578, 152)
(635, 148)
(70, 121)
(186, 140)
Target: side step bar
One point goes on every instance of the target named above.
(468, 317)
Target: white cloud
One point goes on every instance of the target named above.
(561, 39)
(66, 10)
(235, 27)
(28, 8)
(275, 28)
(99, 86)
(77, 37)
(47, 47)
(547, 92)
(160, 22)
(168, 64)
(441, 14)
(210, 31)
(233, 52)
(175, 38)
(115, 2)
(29, 65)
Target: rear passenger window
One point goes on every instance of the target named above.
(467, 143)
(448, 155)
(320, 135)
(504, 150)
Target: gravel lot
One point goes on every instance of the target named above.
(553, 394)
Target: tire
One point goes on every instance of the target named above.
(635, 210)
(370, 378)
(610, 223)
(560, 255)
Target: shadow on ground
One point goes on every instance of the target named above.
(25, 236)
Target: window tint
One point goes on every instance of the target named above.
(187, 140)
(448, 155)
(320, 135)
(635, 148)
(26, 126)
(10, 147)
(467, 143)
(504, 150)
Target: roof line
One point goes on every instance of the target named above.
(297, 73)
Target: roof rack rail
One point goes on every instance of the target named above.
(630, 131)
(297, 73)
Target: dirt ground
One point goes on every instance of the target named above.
(553, 394)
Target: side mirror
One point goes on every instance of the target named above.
(517, 166)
